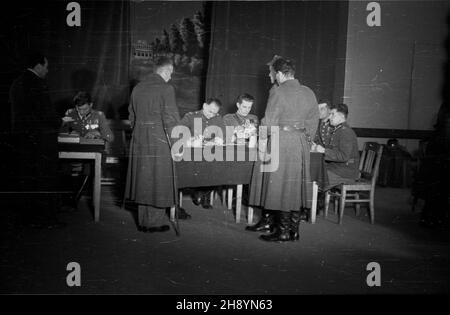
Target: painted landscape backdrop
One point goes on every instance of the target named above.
(180, 31)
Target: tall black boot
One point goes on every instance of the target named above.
(206, 200)
(265, 224)
(295, 223)
(282, 230)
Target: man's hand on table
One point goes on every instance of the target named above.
(67, 119)
(93, 135)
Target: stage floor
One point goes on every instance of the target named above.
(214, 255)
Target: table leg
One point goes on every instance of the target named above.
(230, 198)
(97, 185)
(250, 215)
(224, 195)
(172, 213)
(211, 199)
(314, 202)
(180, 199)
(238, 203)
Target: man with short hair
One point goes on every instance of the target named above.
(266, 222)
(292, 110)
(34, 125)
(342, 156)
(244, 105)
(85, 121)
(150, 179)
(242, 117)
(208, 116)
(323, 133)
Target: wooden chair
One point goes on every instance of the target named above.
(368, 172)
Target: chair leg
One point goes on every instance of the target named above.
(230, 198)
(78, 194)
(224, 195)
(372, 207)
(327, 204)
(342, 205)
(336, 205)
(357, 206)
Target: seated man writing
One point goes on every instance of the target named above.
(85, 121)
(207, 116)
(342, 155)
(242, 117)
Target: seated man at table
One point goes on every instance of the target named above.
(85, 121)
(242, 117)
(207, 116)
(342, 156)
(323, 133)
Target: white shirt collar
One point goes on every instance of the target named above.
(33, 72)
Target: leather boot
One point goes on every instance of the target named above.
(282, 230)
(206, 200)
(295, 223)
(197, 197)
(265, 223)
(304, 215)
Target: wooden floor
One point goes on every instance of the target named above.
(214, 255)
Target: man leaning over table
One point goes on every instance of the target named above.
(150, 177)
(209, 116)
(342, 156)
(85, 121)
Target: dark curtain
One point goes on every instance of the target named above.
(246, 35)
(92, 57)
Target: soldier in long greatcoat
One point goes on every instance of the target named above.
(292, 108)
(150, 178)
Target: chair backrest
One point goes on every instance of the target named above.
(369, 163)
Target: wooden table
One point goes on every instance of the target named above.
(319, 180)
(234, 168)
(201, 173)
(87, 150)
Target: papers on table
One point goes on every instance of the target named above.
(68, 138)
(71, 138)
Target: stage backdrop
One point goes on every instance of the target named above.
(180, 30)
(245, 36)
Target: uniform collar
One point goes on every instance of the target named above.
(203, 115)
(81, 117)
(341, 125)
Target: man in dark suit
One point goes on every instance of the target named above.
(342, 155)
(34, 127)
